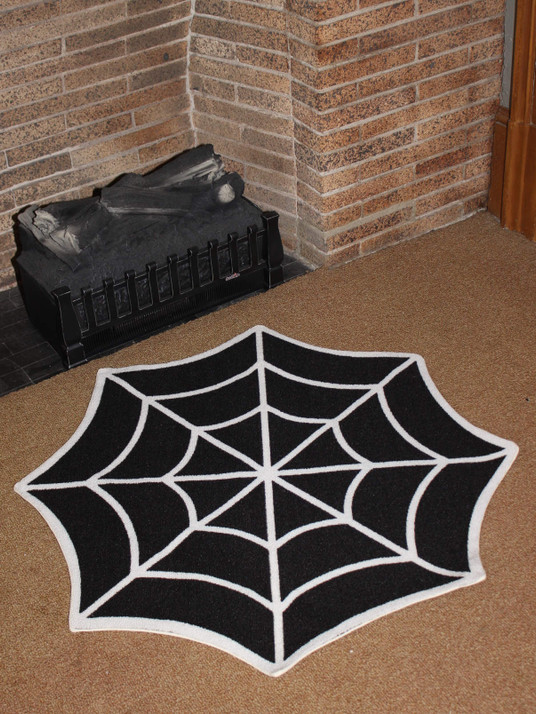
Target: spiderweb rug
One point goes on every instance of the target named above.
(267, 496)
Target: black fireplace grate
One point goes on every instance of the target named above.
(26, 358)
(100, 318)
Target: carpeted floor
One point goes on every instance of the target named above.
(464, 298)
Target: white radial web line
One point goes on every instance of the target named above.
(330, 423)
(273, 558)
(340, 518)
(227, 530)
(127, 522)
(194, 429)
(391, 464)
(143, 571)
(197, 525)
(363, 466)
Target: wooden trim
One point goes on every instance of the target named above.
(518, 206)
(498, 159)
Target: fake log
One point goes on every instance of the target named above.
(194, 181)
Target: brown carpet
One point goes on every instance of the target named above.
(464, 298)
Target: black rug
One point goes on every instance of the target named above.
(267, 497)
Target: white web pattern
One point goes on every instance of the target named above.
(277, 479)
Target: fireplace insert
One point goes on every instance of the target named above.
(180, 255)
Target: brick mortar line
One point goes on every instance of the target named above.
(349, 187)
(264, 132)
(90, 142)
(416, 123)
(50, 197)
(254, 5)
(477, 83)
(397, 206)
(394, 68)
(429, 194)
(405, 65)
(364, 220)
(264, 6)
(278, 53)
(64, 37)
(122, 18)
(416, 219)
(249, 107)
(411, 220)
(404, 147)
(188, 89)
(235, 62)
(71, 171)
(394, 188)
(65, 93)
(267, 205)
(415, 40)
(394, 151)
(236, 85)
(230, 21)
(414, 83)
(64, 112)
(337, 18)
(284, 95)
(256, 165)
(387, 173)
(54, 59)
(69, 72)
(240, 142)
(293, 119)
(65, 54)
(124, 38)
(82, 167)
(264, 187)
(372, 8)
(56, 20)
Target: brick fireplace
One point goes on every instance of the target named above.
(363, 123)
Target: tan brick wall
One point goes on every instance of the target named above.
(241, 86)
(89, 89)
(363, 123)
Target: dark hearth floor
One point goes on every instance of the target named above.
(26, 358)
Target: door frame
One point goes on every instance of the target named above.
(513, 185)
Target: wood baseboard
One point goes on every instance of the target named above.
(519, 187)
